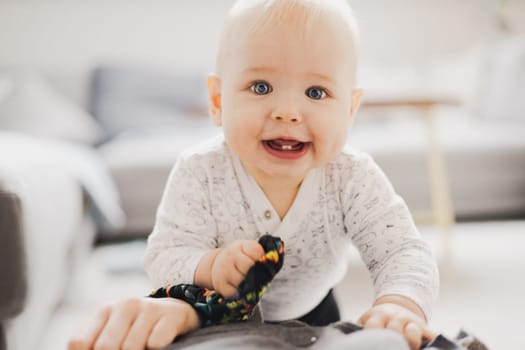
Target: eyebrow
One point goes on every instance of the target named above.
(321, 77)
(263, 69)
(259, 70)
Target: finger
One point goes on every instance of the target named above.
(243, 263)
(226, 289)
(428, 334)
(116, 327)
(234, 278)
(140, 331)
(375, 322)
(85, 339)
(397, 325)
(413, 334)
(252, 249)
(229, 291)
(364, 317)
(163, 333)
(226, 283)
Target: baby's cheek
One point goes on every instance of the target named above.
(332, 144)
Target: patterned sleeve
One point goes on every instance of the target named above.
(184, 229)
(399, 260)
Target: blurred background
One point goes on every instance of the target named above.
(98, 98)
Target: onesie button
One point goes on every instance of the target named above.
(268, 214)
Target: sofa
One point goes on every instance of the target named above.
(54, 197)
(482, 139)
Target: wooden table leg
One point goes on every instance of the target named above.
(442, 207)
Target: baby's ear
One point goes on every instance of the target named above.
(356, 101)
(214, 97)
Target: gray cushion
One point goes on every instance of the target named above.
(3, 344)
(141, 178)
(13, 282)
(484, 161)
(127, 98)
(257, 335)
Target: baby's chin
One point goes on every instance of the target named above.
(286, 172)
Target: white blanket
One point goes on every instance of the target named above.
(81, 162)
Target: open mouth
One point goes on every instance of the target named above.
(289, 149)
(285, 145)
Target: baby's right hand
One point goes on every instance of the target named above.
(136, 323)
(231, 265)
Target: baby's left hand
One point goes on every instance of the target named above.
(399, 319)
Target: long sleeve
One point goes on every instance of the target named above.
(381, 226)
(184, 229)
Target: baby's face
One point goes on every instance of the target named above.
(286, 98)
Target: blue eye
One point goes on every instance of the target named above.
(261, 88)
(316, 93)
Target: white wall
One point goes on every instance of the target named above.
(72, 36)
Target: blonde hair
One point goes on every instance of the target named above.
(303, 13)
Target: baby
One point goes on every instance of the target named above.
(284, 93)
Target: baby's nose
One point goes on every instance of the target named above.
(288, 116)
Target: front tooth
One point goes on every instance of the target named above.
(286, 147)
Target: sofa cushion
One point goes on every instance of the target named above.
(141, 178)
(138, 99)
(484, 159)
(29, 105)
(81, 163)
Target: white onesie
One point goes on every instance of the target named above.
(210, 201)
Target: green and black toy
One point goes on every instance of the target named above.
(213, 308)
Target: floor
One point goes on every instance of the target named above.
(482, 284)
